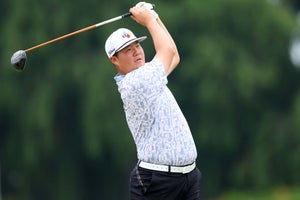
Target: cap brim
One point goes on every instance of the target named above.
(140, 39)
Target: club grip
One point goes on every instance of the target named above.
(128, 14)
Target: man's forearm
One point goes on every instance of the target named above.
(176, 58)
(163, 44)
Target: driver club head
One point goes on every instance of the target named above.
(18, 60)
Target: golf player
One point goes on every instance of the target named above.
(166, 150)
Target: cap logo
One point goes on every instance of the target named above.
(125, 35)
(111, 51)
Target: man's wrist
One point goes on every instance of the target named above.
(151, 22)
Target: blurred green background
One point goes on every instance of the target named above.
(63, 130)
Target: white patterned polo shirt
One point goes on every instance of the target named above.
(158, 126)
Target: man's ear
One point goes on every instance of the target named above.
(114, 60)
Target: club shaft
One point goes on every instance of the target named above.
(79, 31)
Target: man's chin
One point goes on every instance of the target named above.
(139, 63)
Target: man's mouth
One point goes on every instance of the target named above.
(138, 60)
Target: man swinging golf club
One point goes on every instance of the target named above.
(165, 147)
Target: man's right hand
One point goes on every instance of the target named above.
(141, 15)
(149, 6)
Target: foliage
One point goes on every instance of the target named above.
(63, 131)
(280, 192)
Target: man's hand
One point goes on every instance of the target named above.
(141, 15)
(149, 6)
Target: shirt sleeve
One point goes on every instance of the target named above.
(158, 71)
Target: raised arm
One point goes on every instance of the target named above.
(176, 58)
(166, 50)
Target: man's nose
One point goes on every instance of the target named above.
(135, 50)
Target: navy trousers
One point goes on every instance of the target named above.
(154, 185)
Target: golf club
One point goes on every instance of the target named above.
(18, 59)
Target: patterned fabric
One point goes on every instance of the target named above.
(159, 128)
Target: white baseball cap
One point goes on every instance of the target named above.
(120, 39)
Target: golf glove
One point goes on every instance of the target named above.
(149, 6)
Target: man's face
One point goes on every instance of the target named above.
(129, 58)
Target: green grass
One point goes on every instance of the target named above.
(279, 193)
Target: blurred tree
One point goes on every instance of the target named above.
(295, 4)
